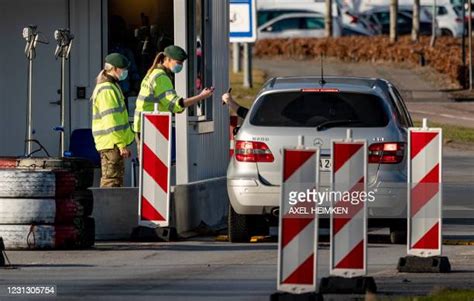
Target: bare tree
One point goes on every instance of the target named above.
(393, 20)
(328, 18)
(415, 30)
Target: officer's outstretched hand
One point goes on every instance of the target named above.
(125, 153)
(226, 98)
(207, 92)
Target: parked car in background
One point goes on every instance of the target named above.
(269, 9)
(381, 17)
(265, 15)
(287, 107)
(449, 18)
(297, 25)
(354, 25)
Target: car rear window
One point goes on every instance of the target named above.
(310, 109)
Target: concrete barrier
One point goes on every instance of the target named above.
(194, 205)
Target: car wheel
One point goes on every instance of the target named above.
(446, 32)
(237, 226)
(398, 237)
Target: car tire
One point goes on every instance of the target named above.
(398, 237)
(237, 227)
(76, 235)
(446, 32)
(8, 162)
(82, 169)
(15, 183)
(86, 199)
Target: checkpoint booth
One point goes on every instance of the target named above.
(138, 29)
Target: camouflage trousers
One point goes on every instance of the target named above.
(113, 168)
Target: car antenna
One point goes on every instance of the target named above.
(322, 81)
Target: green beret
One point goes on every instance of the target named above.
(117, 60)
(176, 53)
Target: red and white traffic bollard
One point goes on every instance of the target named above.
(348, 231)
(424, 208)
(155, 158)
(298, 231)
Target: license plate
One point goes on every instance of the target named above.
(325, 164)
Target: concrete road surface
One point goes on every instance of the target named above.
(204, 270)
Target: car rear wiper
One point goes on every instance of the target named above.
(333, 123)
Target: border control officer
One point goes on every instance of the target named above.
(157, 87)
(110, 125)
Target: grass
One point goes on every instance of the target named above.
(443, 295)
(246, 96)
(451, 133)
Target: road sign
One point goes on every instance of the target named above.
(297, 244)
(243, 21)
(349, 230)
(155, 159)
(425, 196)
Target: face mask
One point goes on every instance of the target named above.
(177, 68)
(123, 75)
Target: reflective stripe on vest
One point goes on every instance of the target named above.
(111, 130)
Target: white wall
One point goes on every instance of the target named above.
(84, 19)
(14, 15)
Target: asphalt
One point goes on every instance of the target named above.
(206, 270)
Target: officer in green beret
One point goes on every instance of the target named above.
(110, 126)
(157, 87)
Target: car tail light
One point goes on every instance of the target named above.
(252, 151)
(354, 19)
(459, 20)
(386, 153)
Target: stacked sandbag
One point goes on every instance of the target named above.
(45, 204)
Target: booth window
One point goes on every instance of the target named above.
(200, 56)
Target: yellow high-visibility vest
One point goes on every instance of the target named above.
(156, 87)
(110, 125)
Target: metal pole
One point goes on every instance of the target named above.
(248, 83)
(30, 103)
(470, 42)
(236, 57)
(63, 102)
(433, 26)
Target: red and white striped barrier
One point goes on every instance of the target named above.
(348, 232)
(155, 158)
(234, 122)
(425, 193)
(297, 245)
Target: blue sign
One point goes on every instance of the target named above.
(243, 25)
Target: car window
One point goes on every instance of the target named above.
(297, 109)
(458, 10)
(311, 23)
(405, 118)
(286, 24)
(263, 16)
(441, 11)
(383, 17)
(404, 19)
